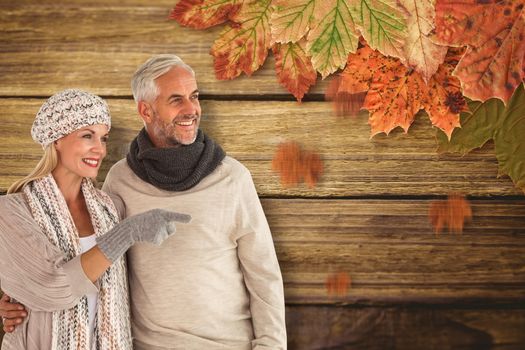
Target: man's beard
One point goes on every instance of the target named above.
(170, 138)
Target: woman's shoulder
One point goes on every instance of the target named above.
(12, 199)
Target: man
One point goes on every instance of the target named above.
(216, 284)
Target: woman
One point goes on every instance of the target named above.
(60, 245)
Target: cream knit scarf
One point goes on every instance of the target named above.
(71, 327)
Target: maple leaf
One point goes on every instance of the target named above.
(421, 53)
(291, 19)
(294, 69)
(495, 33)
(337, 284)
(296, 165)
(451, 213)
(243, 45)
(395, 93)
(333, 38)
(492, 120)
(202, 14)
(382, 23)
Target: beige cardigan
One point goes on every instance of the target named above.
(33, 272)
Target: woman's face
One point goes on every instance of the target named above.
(82, 151)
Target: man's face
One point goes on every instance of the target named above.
(174, 117)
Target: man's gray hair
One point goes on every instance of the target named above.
(143, 82)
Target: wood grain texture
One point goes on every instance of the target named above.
(399, 164)
(392, 255)
(49, 46)
(370, 328)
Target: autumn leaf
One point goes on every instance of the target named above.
(495, 34)
(333, 38)
(444, 100)
(420, 51)
(201, 14)
(243, 45)
(382, 23)
(451, 213)
(291, 19)
(337, 284)
(395, 93)
(294, 69)
(296, 165)
(492, 120)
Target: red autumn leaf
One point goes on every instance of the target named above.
(395, 93)
(296, 165)
(494, 31)
(337, 284)
(243, 45)
(451, 213)
(294, 68)
(202, 14)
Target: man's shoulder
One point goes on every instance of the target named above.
(235, 167)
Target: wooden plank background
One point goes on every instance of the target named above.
(411, 289)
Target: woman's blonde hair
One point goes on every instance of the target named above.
(45, 166)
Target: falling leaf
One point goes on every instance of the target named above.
(492, 120)
(337, 284)
(334, 36)
(451, 213)
(344, 102)
(382, 24)
(294, 69)
(395, 93)
(291, 19)
(243, 45)
(202, 14)
(421, 53)
(296, 165)
(495, 34)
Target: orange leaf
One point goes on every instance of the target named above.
(395, 93)
(294, 68)
(444, 101)
(337, 284)
(296, 165)
(201, 14)
(495, 33)
(451, 213)
(243, 45)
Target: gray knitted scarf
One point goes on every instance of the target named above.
(71, 326)
(174, 168)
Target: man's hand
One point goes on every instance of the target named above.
(12, 313)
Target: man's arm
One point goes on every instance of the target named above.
(262, 274)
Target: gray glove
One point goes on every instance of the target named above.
(152, 226)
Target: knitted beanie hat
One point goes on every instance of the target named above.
(67, 111)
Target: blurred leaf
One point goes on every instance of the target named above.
(451, 213)
(296, 165)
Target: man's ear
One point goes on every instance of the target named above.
(145, 111)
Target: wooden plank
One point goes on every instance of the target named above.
(392, 255)
(49, 46)
(320, 327)
(400, 164)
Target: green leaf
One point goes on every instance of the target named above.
(334, 37)
(491, 120)
(291, 19)
(383, 25)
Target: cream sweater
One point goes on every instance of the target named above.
(216, 283)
